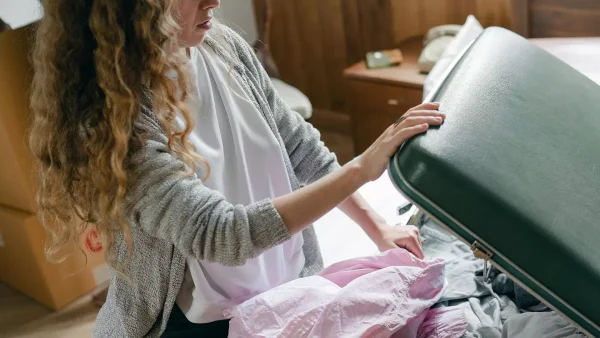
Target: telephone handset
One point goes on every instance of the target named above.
(436, 40)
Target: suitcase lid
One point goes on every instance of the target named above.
(515, 169)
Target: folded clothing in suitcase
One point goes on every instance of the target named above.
(515, 169)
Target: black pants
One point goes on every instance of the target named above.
(180, 327)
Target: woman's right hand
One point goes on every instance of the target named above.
(417, 120)
(305, 205)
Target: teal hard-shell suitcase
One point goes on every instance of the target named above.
(515, 169)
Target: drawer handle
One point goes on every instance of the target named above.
(393, 102)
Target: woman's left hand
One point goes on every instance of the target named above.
(393, 237)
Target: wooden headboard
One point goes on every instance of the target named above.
(556, 18)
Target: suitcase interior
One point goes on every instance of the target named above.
(515, 169)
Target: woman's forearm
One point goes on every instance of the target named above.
(359, 210)
(304, 206)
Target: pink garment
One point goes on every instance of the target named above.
(381, 296)
(435, 323)
(443, 323)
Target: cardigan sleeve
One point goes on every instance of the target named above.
(169, 203)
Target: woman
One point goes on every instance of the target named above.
(158, 127)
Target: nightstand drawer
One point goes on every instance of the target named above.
(374, 107)
(371, 98)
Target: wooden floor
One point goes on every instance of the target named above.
(336, 133)
(340, 144)
(21, 317)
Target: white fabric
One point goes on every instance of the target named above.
(246, 166)
(335, 230)
(294, 98)
(432, 53)
(469, 32)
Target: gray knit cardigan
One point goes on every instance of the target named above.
(174, 217)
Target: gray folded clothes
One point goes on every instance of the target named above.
(488, 314)
(461, 265)
(503, 285)
(484, 310)
(539, 324)
(485, 315)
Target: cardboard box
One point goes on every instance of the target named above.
(17, 188)
(24, 267)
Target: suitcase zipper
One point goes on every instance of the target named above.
(481, 252)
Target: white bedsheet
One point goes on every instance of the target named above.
(340, 238)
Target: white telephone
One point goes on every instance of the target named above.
(436, 41)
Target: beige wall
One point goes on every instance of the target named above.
(239, 15)
(18, 13)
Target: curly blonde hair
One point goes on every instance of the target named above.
(96, 63)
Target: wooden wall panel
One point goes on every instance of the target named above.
(287, 49)
(519, 17)
(355, 45)
(376, 18)
(312, 41)
(557, 18)
(416, 17)
(313, 54)
(333, 42)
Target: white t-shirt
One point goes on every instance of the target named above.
(246, 166)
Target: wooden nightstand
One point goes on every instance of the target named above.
(377, 98)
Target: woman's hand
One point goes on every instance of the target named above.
(393, 237)
(304, 206)
(415, 121)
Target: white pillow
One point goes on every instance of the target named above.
(469, 32)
